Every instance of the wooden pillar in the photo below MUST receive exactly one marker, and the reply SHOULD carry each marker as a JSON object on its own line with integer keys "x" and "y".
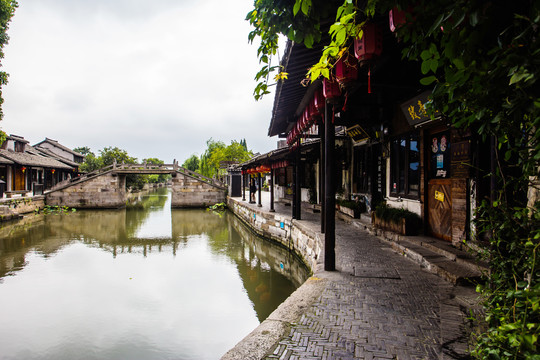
{"x": 259, "y": 178}
{"x": 322, "y": 170}
{"x": 330, "y": 196}
{"x": 272, "y": 191}
{"x": 294, "y": 168}
{"x": 297, "y": 185}
{"x": 243, "y": 186}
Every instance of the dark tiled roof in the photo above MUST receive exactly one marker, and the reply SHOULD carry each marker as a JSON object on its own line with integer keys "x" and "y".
{"x": 58, "y": 145}
{"x": 49, "y": 153}
{"x": 31, "y": 157}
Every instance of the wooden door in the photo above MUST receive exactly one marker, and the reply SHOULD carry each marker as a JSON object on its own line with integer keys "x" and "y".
{"x": 18, "y": 180}
{"x": 439, "y": 203}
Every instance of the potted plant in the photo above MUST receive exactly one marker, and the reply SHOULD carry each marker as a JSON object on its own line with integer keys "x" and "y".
{"x": 351, "y": 207}
{"x": 402, "y": 221}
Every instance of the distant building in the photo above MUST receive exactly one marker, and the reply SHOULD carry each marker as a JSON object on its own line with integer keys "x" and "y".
{"x": 54, "y": 147}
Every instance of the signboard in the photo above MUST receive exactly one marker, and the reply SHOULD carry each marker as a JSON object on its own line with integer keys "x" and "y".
{"x": 415, "y": 109}
{"x": 461, "y": 155}
{"x": 356, "y": 133}
{"x": 439, "y": 147}
{"x": 439, "y": 196}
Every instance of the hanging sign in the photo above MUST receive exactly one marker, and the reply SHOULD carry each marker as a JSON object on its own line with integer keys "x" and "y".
{"x": 439, "y": 196}
{"x": 415, "y": 109}
{"x": 356, "y": 133}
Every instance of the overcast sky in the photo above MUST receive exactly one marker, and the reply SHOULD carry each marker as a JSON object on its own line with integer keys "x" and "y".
{"x": 155, "y": 78}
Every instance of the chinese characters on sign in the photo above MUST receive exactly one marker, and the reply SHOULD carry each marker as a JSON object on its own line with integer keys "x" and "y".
{"x": 356, "y": 133}
{"x": 415, "y": 109}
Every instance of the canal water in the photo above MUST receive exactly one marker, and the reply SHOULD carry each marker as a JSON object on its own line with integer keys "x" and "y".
{"x": 146, "y": 282}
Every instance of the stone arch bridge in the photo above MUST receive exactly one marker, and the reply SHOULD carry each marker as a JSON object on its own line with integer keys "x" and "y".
{"x": 106, "y": 188}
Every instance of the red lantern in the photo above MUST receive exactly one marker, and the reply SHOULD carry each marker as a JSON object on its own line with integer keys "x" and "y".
{"x": 331, "y": 89}
{"x": 53, "y": 171}
{"x": 396, "y": 18}
{"x": 318, "y": 101}
{"x": 346, "y": 69}
{"x": 313, "y": 110}
{"x": 370, "y": 45}
{"x": 23, "y": 169}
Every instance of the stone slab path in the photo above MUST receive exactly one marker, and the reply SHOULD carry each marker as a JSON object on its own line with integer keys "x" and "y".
{"x": 377, "y": 305}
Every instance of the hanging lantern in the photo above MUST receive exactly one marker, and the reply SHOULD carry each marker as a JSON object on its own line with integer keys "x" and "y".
{"x": 53, "y": 170}
{"x": 346, "y": 69}
{"x": 314, "y": 112}
{"x": 396, "y": 18}
{"x": 369, "y": 45}
{"x": 23, "y": 169}
{"x": 331, "y": 89}
{"x": 318, "y": 101}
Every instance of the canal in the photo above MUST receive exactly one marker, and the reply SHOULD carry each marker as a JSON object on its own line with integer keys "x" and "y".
{"x": 145, "y": 282}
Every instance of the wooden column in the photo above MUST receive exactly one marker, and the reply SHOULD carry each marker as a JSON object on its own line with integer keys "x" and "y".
{"x": 294, "y": 168}
{"x": 259, "y": 178}
{"x": 243, "y": 187}
{"x": 297, "y": 185}
{"x": 330, "y": 196}
{"x": 272, "y": 191}
{"x": 322, "y": 170}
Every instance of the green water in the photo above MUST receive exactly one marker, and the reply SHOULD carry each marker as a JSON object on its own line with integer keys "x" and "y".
{"x": 146, "y": 282}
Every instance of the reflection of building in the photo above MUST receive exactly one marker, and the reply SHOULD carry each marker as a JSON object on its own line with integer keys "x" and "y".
{"x": 25, "y": 168}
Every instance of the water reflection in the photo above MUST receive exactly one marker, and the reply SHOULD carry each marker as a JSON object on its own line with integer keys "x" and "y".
{"x": 104, "y": 285}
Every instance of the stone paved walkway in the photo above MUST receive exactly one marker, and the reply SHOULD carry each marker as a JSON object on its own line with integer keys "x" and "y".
{"x": 377, "y": 305}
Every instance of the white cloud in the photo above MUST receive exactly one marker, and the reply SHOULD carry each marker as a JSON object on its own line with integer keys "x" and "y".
{"x": 155, "y": 78}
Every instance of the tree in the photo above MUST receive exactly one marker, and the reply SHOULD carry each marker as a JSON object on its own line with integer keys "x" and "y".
{"x": 157, "y": 178}
{"x": 217, "y": 152}
{"x": 192, "y": 163}
{"x": 7, "y": 10}
{"x": 483, "y": 61}
{"x": 83, "y": 150}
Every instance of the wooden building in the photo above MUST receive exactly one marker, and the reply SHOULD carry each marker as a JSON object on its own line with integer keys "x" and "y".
{"x": 25, "y": 169}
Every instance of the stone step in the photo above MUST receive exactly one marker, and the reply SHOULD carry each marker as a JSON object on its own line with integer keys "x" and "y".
{"x": 446, "y": 267}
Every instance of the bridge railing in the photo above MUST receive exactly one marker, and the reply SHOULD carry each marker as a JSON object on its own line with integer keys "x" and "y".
{"x": 214, "y": 182}
{"x": 82, "y": 177}
{"x": 141, "y": 167}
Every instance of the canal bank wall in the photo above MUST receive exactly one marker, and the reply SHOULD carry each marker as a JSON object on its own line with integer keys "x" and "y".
{"x": 305, "y": 243}
{"x": 301, "y": 240}
{"x": 14, "y": 208}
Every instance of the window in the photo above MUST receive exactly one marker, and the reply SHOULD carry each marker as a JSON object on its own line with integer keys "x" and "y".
{"x": 405, "y": 166}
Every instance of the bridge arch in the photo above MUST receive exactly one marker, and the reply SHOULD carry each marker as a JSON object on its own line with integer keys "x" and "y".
{"x": 106, "y": 187}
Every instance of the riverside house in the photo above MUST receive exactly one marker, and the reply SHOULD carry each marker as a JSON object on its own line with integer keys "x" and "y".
{"x": 25, "y": 169}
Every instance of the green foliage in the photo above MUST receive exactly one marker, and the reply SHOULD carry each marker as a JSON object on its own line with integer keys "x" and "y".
{"x": 7, "y": 10}
{"x": 91, "y": 163}
{"x": 56, "y": 210}
{"x": 83, "y": 150}
{"x": 192, "y": 163}
{"x": 359, "y": 206}
{"x": 217, "y": 152}
{"x": 218, "y": 207}
{"x": 387, "y": 213}
{"x": 299, "y": 21}
{"x": 154, "y": 179}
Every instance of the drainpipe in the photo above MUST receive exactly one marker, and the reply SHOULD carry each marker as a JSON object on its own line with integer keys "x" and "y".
{"x": 330, "y": 197}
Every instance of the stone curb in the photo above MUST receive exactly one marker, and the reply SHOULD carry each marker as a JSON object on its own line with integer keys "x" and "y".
{"x": 266, "y": 336}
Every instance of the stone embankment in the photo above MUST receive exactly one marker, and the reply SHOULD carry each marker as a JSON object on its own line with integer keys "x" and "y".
{"x": 14, "y": 208}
